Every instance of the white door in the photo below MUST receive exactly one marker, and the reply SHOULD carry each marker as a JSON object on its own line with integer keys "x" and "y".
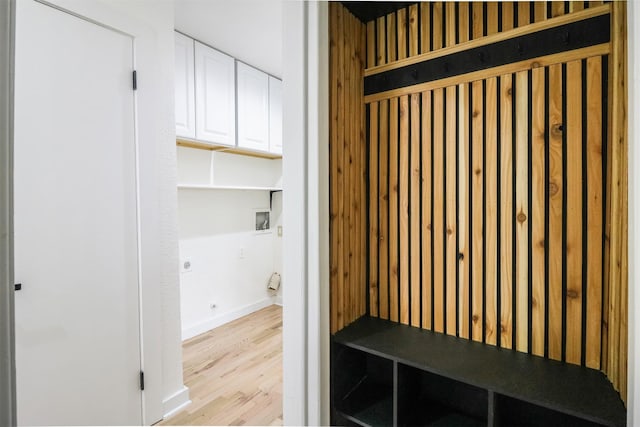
{"x": 184, "y": 87}
{"x": 275, "y": 115}
{"x": 253, "y": 108}
{"x": 76, "y": 250}
{"x": 215, "y": 96}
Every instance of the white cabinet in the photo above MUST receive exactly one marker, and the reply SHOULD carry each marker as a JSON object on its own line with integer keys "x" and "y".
{"x": 253, "y": 108}
{"x": 184, "y": 87}
{"x": 275, "y": 115}
{"x": 215, "y": 96}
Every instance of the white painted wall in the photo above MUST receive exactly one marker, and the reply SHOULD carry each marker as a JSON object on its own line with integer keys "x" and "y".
{"x": 230, "y": 262}
{"x": 249, "y": 30}
{"x": 633, "y": 405}
{"x": 152, "y": 21}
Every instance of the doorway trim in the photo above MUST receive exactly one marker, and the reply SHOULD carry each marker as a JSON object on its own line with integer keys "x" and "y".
{"x": 7, "y": 337}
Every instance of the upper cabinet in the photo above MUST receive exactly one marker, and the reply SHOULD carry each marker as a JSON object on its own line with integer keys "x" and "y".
{"x": 275, "y": 115}
{"x": 184, "y": 88}
{"x": 253, "y": 108}
{"x": 215, "y": 96}
{"x": 209, "y": 85}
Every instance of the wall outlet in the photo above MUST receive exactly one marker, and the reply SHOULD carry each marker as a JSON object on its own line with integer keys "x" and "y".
{"x": 279, "y": 231}
{"x": 185, "y": 266}
{"x": 241, "y": 253}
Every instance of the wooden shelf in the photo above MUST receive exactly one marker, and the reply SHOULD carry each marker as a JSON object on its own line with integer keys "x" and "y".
{"x": 225, "y": 187}
{"x": 552, "y": 386}
{"x": 192, "y": 143}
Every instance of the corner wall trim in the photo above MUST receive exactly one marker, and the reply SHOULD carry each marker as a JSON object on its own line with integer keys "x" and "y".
{"x": 176, "y": 402}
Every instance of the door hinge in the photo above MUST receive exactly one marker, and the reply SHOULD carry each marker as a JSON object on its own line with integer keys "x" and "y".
{"x": 135, "y": 80}
{"x": 141, "y": 380}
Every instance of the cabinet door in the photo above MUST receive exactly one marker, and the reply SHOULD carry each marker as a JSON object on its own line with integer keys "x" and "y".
{"x": 275, "y": 115}
{"x": 253, "y": 108}
{"x": 185, "y": 88}
{"x": 215, "y": 96}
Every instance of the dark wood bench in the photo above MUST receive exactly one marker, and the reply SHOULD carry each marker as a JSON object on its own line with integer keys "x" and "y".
{"x": 385, "y": 373}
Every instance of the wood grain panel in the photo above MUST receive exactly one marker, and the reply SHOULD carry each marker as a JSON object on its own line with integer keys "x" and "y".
{"x": 414, "y": 212}
{"x": 335, "y": 172}
{"x": 594, "y": 212}
{"x": 381, "y": 47}
{"x": 438, "y": 212}
{"x": 425, "y": 26}
{"x": 506, "y": 204}
{"x": 427, "y": 218}
{"x": 451, "y": 232}
{"x": 401, "y": 16}
{"x": 574, "y": 212}
{"x": 477, "y": 163}
{"x": 522, "y": 212}
{"x": 403, "y": 179}
{"x": 538, "y": 211}
{"x": 371, "y": 44}
{"x": 413, "y": 30}
{"x": 556, "y": 195}
{"x": 463, "y": 212}
{"x": 491, "y": 211}
{"x": 394, "y": 238}
{"x": 383, "y": 183}
{"x": 373, "y": 209}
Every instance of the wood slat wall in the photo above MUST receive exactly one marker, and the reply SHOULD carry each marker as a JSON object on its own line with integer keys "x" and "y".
{"x": 348, "y": 174}
{"x": 496, "y": 208}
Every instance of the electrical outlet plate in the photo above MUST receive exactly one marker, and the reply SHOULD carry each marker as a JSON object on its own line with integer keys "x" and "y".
{"x": 279, "y": 231}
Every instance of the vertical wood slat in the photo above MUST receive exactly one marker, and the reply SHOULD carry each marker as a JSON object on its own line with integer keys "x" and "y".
{"x": 438, "y": 211}
{"x": 491, "y": 206}
{"x": 463, "y": 212}
{"x": 617, "y": 223}
{"x": 594, "y": 212}
{"x": 374, "y": 236}
{"x": 393, "y": 211}
{"x": 425, "y": 27}
{"x": 574, "y": 212}
{"x": 556, "y": 194}
{"x": 401, "y": 26}
{"x": 427, "y": 219}
{"x": 383, "y": 183}
{"x": 403, "y": 180}
{"x": 347, "y": 224}
{"x": 477, "y": 243}
{"x": 415, "y": 213}
{"x": 436, "y": 31}
{"x": 463, "y": 187}
{"x": 413, "y": 30}
{"x": 371, "y": 44}
{"x": 524, "y": 13}
{"x": 522, "y": 212}
{"x": 341, "y": 171}
{"x": 538, "y": 211}
{"x": 450, "y": 228}
{"x": 334, "y": 224}
{"x": 506, "y": 220}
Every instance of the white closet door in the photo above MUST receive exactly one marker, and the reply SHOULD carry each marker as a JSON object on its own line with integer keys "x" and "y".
{"x": 185, "y": 102}
{"x": 253, "y": 108}
{"x": 76, "y": 245}
{"x": 215, "y": 96}
{"x": 275, "y": 115}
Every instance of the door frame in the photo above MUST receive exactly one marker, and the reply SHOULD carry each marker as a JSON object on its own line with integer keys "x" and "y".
{"x": 7, "y": 337}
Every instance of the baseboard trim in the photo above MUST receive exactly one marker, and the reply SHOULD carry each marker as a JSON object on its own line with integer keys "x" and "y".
{"x": 176, "y": 402}
{"x": 202, "y": 327}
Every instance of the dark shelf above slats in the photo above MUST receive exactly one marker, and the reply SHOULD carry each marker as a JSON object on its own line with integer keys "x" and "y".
{"x": 366, "y": 11}
{"x": 574, "y": 390}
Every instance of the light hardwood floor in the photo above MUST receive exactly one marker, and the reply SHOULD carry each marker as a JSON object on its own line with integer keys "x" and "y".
{"x": 234, "y": 373}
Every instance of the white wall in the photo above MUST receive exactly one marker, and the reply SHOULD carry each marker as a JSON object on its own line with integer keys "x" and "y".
{"x": 230, "y": 262}
{"x": 249, "y": 30}
{"x": 633, "y": 401}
